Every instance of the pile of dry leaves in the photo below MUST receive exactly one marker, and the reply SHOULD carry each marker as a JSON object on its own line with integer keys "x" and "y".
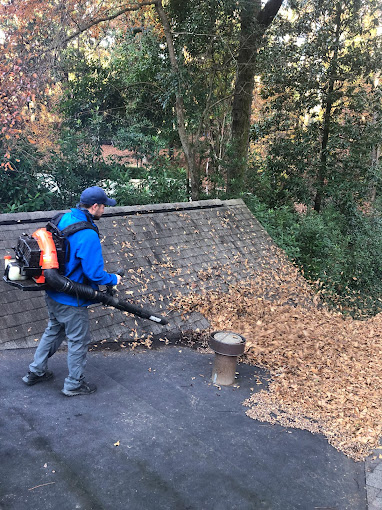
{"x": 326, "y": 369}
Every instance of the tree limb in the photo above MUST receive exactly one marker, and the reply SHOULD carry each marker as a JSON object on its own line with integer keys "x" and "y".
{"x": 110, "y": 17}
{"x": 268, "y": 12}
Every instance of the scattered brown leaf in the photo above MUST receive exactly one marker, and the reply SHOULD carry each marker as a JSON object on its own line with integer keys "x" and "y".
{"x": 326, "y": 369}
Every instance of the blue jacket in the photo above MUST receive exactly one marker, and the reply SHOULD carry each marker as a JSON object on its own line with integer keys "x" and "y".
{"x": 85, "y": 264}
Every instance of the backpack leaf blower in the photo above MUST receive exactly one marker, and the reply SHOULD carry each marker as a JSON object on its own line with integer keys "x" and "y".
{"x": 40, "y": 261}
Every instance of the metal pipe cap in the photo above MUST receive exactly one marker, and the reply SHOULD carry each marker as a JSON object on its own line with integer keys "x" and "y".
{"x": 227, "y": 343}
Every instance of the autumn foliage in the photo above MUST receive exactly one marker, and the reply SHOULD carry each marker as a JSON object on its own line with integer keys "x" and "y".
{"x": 33, "y": 36}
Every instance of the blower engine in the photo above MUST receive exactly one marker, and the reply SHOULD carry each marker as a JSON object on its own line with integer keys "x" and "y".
{"x": 39, "y": 263}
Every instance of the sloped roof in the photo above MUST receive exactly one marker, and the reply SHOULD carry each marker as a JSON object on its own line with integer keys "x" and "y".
{"x": 165, "y": 249}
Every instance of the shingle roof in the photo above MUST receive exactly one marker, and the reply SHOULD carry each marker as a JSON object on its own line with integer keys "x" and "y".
{"x": 165, "y": 249}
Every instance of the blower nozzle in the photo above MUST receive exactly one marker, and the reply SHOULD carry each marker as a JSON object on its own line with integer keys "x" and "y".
{"x": 62, "y": 284}
{"x": 37, "y": 256}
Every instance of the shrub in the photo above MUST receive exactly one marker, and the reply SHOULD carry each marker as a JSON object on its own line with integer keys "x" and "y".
{"x": 338, "y": 250}
{"x": 21, "y": 186}
{"x": 161, "y": 182}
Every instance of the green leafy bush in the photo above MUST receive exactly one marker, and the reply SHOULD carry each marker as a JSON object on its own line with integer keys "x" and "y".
{"x": 22, "y": 187}
{"x": 281, "y": 224}
{"x": 75, "y": 167}
{"x": 339, "y": 250}
{"x": 162, "y": 181}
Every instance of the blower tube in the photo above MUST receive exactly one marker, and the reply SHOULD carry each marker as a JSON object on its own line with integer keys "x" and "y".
{"x": 62, "y": 284}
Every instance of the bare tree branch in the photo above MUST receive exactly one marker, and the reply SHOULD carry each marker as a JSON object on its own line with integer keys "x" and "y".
{"x": 109, "y": 17}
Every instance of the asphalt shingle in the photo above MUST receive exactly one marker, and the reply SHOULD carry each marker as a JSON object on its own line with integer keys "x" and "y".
{"x": 164, "y": 249}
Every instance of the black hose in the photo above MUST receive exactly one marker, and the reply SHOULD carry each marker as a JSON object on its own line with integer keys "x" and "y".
{"x": 60, "y": 283}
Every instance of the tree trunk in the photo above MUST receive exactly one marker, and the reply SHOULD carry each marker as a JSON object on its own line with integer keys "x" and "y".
{"x": 187, "y": 146}
{"x": 322, "y": 171}
{"x": 376, "y": 150}
{"x": 254, "y": 21}
{"x": 324, "y": 148}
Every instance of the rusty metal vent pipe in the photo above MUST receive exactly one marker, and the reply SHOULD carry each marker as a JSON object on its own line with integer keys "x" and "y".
{"x": 227, "y": 346}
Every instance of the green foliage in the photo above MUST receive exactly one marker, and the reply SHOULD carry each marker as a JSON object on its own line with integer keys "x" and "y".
{"x": 317, "y": 133}
{"x": 121, "y": 98}
{"x": 22, "y": 187}
{"x": 127, "y": 96}
{"x": 322, "y": 110}
{"x": 162, "y": 182}
{"x": 93, "y": 101}
{"x": 138, "y": 139}
{"x": 339, "y": 251}
{"x": 148, "y": 86}
{"x": 167, "y": 182}
{"x": 281, "y": 224}
{"x": 75, "y": 167}
{"x": 50, "y": 181}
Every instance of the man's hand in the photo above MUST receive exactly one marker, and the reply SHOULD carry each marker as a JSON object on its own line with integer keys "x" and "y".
{"x": 119, "y": 278}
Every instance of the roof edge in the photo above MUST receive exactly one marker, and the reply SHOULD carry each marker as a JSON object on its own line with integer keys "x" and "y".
{"x": 41, "y": 216}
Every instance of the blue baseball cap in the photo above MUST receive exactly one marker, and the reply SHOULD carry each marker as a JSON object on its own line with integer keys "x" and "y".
{"x": 96, "y": 195}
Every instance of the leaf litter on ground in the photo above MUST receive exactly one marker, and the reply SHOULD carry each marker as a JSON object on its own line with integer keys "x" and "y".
{"x": 326, "y": 370}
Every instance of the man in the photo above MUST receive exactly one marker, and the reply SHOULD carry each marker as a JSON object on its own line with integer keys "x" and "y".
{"x": 68, "y": 315}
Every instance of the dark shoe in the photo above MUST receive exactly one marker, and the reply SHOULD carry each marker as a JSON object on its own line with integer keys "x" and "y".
{"x": 84, "y": 389}
{"x": 31, "y": 378}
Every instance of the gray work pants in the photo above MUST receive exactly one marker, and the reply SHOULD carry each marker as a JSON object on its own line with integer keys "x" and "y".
{"x": 64, "y": 321}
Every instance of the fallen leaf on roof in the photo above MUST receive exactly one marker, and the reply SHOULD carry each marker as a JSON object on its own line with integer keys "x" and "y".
{"x": 326, "y": 374}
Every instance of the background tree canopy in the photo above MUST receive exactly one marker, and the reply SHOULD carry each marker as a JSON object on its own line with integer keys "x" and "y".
{"x": 276, "y": 102}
